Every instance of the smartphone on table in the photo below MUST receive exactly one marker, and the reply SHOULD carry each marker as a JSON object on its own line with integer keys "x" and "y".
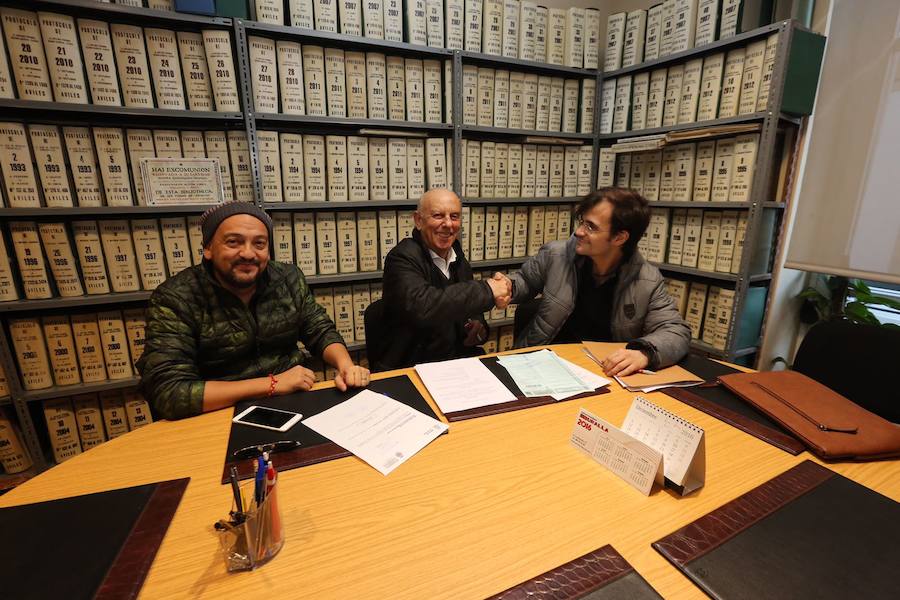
{"x": 268, "y": 418}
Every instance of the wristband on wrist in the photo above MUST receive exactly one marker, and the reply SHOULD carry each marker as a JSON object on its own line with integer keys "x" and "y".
{"x": 273, "y": 381}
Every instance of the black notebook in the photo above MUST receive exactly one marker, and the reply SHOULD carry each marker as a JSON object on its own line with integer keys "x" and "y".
{"x": 313, "y": 448}
{"x": 807, "y": 533}
{"x": 97, "y": 546}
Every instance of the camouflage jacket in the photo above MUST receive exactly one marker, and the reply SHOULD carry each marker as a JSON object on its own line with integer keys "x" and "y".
{"x": 198, "y": 331}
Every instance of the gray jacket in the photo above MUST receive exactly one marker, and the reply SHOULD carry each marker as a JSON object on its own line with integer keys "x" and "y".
{"x": 642, "y": 310}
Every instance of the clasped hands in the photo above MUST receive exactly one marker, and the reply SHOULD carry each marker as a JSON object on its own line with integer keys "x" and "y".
{"x": 501, "y": 287}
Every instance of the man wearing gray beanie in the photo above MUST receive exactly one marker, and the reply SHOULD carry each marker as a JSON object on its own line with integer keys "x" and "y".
{"x": 227, "y": 330}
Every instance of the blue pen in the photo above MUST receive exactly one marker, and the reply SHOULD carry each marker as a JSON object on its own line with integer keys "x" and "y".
{"x": 260, "y": 482}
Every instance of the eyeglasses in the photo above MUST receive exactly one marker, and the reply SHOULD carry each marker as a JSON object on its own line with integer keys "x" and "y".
{"x": 256, "y": 451}
{"x": 588, "y": 226}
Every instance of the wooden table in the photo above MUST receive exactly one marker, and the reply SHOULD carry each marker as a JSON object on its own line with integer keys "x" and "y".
{"x": 493, "y": 503}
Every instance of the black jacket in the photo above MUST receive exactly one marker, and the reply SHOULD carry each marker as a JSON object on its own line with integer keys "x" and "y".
{"x": 426, "y": 313}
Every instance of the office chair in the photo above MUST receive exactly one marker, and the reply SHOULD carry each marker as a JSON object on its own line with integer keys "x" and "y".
{"x": 376, "y": 333}
{"x": 860, "y": 362}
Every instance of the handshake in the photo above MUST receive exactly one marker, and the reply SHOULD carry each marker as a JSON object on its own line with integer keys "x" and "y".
{"x": 501, "y": 287}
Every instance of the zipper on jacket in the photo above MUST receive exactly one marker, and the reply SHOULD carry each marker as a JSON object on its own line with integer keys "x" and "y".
{"x": 820, "y": 426}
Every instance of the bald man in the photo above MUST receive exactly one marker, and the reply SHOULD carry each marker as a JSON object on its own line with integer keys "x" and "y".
{"x": 433, "y": 307}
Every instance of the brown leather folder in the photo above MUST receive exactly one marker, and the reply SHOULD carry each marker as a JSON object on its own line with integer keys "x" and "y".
{"x": 599, "y": 575}
{"x": 831, "y": 426}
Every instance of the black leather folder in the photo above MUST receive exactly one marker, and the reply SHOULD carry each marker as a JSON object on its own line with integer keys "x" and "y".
{"x": 313, "y": 448}
{"x": 807, "y": 533}
{"x": 521, "y": 401}
{"x": 716, "y": 400}
{"x": 599, "y": 575}
{"x": 92, "y": 547}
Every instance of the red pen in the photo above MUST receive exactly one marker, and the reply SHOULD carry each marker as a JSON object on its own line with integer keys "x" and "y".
{"x": 270, "y": 477}
{"x": 273, "y": 501}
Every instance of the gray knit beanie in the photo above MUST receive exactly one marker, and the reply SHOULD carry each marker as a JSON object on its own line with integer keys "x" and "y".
{"x": 213, "y": 217}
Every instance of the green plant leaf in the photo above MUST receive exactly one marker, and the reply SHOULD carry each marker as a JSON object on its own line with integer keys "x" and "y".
{"x": 860, "y": 286}
{"x": 858, "y": 313}
{"x": 878, "y": 300}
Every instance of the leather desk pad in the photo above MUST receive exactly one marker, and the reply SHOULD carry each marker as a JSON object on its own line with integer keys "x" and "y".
{"x": 521, "y": 400}
{"x": 92, "y": 547}
{"x": 314, "y": 448}
{"x": 599, "y": 575}
{"x": 721, "y": 403}
{"x": 807, "y": 533}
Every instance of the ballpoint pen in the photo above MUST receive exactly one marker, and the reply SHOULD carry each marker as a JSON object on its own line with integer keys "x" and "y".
{"x": 259, "y": 488}
{"x": 270, "y": 477}
{"x": 236, "y": 490}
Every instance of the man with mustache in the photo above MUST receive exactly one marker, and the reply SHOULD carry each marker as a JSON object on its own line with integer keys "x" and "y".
{"x": 227, "y": 330}
{"x": 433, "y": 308}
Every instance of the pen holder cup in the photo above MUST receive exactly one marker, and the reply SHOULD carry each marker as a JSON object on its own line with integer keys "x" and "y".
{"x": 259, "y": 537}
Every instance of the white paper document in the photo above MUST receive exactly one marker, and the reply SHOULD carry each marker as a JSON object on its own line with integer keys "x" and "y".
{"x": 380, "y": 430}
{"x": 590, "y": 378}
{"x": 542, "y": 373}
{"x": 462, "y": 384}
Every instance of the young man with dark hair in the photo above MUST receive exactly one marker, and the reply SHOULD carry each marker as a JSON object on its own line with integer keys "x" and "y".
{"x": 597, "y": 286}
{"x": 227, "y": 330}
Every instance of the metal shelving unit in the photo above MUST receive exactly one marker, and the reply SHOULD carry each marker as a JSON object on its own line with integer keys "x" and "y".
{"x": 495, "y": 131}
{"x": 769, "y": 120}
{"x": 64, "y": 113}
{"x": 547, "y": 200}
{"x": 324, "y": 38}
{"x": 99, "y": 211}
{"x": 121, "y": 12}
{"x": 18, "y": 306}
{"x": 736, "y": 41}
{"x": 352, "y": 205}
{"x": 667, "y": 268}
{"x": 528, "y": 66}
{"x": 738, "y": 120}
{"x": 513, "y": 261}
{"x": 249, "y": 120}
{"x": 723, "y": 205}
{"x": 352, "y": 124}
{"x": 58, "y": 391}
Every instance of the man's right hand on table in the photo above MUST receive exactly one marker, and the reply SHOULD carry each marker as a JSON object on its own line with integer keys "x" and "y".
{"x": 295, "y": 379}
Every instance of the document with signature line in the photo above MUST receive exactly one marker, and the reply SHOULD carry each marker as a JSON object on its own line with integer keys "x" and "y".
{"x": 380, "y": 430}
